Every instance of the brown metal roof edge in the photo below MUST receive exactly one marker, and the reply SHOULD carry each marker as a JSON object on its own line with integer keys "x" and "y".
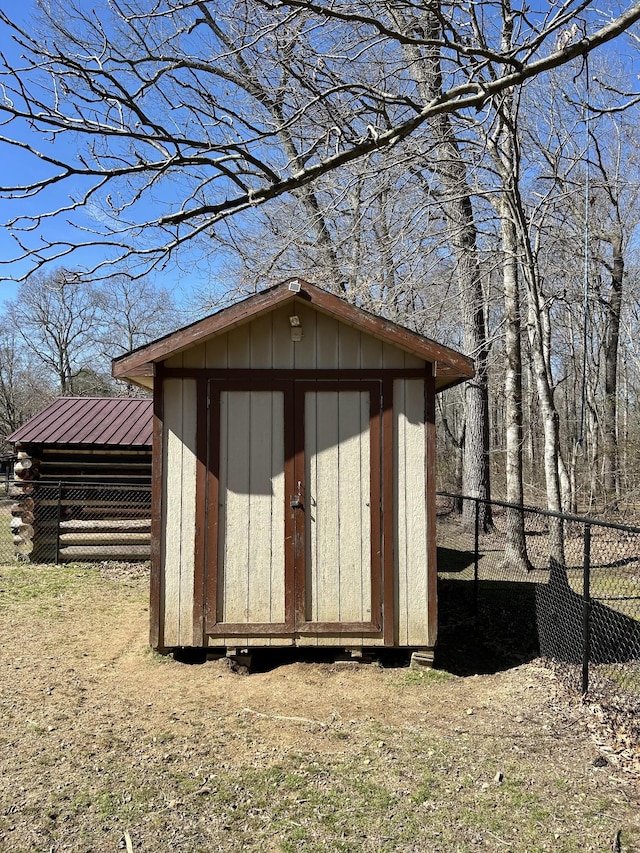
{"x": 139, "y": 361}
{"x": 64, "y": 421}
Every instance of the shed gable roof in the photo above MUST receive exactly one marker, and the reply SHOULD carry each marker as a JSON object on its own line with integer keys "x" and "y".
{"x": 451, "y": 366}
{"x": 103, "y": 421}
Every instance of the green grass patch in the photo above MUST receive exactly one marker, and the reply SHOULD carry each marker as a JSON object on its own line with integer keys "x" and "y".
{"x": 623, "y": 676}
{"x": 50, "y": 587}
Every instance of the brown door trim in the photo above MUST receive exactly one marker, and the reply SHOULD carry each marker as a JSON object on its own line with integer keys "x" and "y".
{"x": 206, "y": 606}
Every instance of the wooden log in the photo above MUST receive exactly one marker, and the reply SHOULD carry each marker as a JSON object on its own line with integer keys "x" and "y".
{"x": 105, "y": 552}
{"x": 107, "y": 525}
{"x": 24, "y": 470}
{"x": 22, "y": 546}
{"x": 26, "y": 503}
{"x": 27, "y": 468}
{"x": 106, "y": 506}
{"x": 18, "y": 528}
{"x": 17, "y": 490}
{"x": 67, "y": 525}
{"x": 26, "y": 516}
{"x": 22, "y": 454}
{"x": 102, "y": 538}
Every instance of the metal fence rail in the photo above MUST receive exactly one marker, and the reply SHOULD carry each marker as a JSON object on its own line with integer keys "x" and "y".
{"x": 53, "y": 522}
{"x": 575, "y": 599}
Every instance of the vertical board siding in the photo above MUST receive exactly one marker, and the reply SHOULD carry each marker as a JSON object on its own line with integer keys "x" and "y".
{"x": 266, "y": 343}
{"x": 174, "y": 361}
{"x": 349, "y": 346}
{"x": 179, "y": 509}
{"x": 277, "y": 508}
{"x": 370, "y": 352}
{"x": 411, "y": 517}
{"x": 363, "y": 468}
{"x": 327, "y": 341}
{"x": 251, "y": 521}
{"x": 216, "y": 352}
{"x": 392, "y": 356}
{"x": 194, "y": 357}
{"x": 233, "y": 542}
{"x": 337, "y": 450}
{"x": 239, "y": 347}
{"x": 353, "y": 500}
{"x": 304, "y": 351}
{"x": 323, "y": 529}
{"x": 282, "y": 347}
{"x": 261, "y": 341}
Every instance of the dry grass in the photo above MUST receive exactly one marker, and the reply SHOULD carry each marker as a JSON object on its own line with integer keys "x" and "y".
{"x": 106, "y": 743}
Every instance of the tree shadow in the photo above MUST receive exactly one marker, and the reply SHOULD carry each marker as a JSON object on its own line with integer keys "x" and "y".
{"x": 614, "y": 636}
{"x": 501, "y": 635}
{"x": 454, "y": 560}
{"x": 514, "y": 621}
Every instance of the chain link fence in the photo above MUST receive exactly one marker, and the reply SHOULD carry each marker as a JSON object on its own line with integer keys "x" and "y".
{"x": 55, "y": 522}
{"x": 531, "y": 583}
{"x": 535, "y": 582}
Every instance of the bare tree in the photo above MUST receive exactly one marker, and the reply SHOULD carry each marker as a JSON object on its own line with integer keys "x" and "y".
{"x": 135, "y": 312}
{"x": 184, "y": 117}
{"x": 503, "y": 144}
{"x": 24, "y": 386}
{"x": 187, "y": 113}
{"x": 58, "y": 318}
{"x": 590, "y": 164}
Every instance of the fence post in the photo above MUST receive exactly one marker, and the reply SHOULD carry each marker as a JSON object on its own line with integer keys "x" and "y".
{"x": 476, "y": 590}
{"x": 58, "y": 519}
{"x": 586, "y": 609}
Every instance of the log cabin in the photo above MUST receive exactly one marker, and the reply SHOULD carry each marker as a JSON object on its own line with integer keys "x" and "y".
{"x": 294, "y": 476}
{"x": 82, "y": 479}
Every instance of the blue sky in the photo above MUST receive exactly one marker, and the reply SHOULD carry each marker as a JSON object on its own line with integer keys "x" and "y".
{"x": 19, "y": 166}
{"x": 16, "y": 163}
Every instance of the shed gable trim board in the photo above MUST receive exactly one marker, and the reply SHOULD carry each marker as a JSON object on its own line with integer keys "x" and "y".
{"x": 450, "y": 367}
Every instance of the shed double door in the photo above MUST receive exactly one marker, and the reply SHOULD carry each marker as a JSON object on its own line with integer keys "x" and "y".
{"x": 294, "y": 503}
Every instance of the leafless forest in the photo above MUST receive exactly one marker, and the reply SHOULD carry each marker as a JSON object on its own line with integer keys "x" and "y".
{"x": 471, "y": 170}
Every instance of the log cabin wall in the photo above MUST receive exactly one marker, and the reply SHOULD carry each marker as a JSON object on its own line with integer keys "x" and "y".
{"x": 85, "y": 465}
{"x": 99, "y": 465}
{"x": 252, "y": 522}
{"x": 86, "y": 504}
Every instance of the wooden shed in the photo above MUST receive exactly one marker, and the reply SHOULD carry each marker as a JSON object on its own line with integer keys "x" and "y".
{"x": 294, "y": 475}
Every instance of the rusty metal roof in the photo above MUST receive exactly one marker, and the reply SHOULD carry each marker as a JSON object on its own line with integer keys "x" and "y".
{"x": 104, "y": 421}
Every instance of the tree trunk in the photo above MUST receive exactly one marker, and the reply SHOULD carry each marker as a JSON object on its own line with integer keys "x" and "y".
{"x": 611, "y": 475}
{"x": 516, "y": 544}
{"x": 538, "y": 327}
{"x": 505, "y": 149}
{"x": 451, "y": 169}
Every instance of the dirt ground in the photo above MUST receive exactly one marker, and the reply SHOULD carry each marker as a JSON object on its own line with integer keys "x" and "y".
{"x": 105, "y": 746}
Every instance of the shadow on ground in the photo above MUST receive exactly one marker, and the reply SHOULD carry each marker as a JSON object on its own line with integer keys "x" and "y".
{"x": 502, "y": 636}
{"x": 501, "y": 633}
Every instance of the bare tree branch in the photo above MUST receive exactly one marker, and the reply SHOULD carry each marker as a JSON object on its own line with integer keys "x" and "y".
{"x": 159, "y": 122}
